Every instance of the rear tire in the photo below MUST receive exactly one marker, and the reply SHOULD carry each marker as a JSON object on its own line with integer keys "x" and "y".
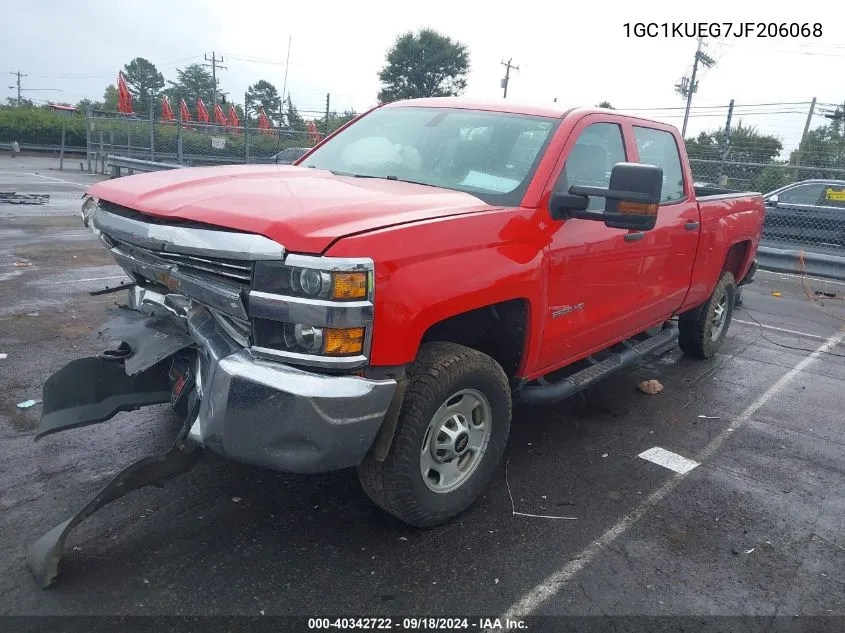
{"x": 450, "y": 437}
{"x": 703, "y": 335}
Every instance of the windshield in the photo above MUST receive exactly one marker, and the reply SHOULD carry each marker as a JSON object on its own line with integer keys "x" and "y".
{"x": 488, "y": 154}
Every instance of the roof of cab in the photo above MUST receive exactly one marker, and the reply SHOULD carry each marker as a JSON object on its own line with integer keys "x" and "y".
{"x": 490, "y": 105}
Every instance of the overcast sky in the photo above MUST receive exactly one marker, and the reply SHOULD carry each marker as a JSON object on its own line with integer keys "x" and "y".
{"x": 576, "y": 52}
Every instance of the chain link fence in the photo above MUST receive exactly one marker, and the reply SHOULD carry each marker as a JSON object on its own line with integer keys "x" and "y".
{"x": 805, "y": 205}
{"x": 191, "y": 144}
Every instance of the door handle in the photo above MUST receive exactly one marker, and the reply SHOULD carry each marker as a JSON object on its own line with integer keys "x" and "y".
{"x": 633, "y": 237}
{"x": 691, "y": 226}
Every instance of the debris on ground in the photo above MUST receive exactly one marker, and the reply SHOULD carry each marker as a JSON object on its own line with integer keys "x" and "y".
{"x": 776, "y": 293}
{"x": 26, "y": 404}
{"x": 748, "y": 551}
{"x": 12, "y": 197}
{"x": 33, "y": 314}
{"x": 650, "y": 387}
{"x": 709, "y": 417}
{"x": 3, "y": 356}
{"x": 22, "y": 264}
{"x": 236, "y": 499}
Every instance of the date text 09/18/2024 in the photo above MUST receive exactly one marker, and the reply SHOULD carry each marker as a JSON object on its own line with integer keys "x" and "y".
{"x": 723, "y": 29}
{"x": 417, "y": 624}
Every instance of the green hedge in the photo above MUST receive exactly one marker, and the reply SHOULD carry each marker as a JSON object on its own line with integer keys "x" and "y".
{"x": 41, "y": 127}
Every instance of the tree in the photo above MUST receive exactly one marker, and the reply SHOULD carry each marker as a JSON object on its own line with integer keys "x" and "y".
{"x": 605, "y": 104}
{"x": 822, "y": 148}
{"x": 145, "y": 83}
{"x": 193, "y": 82}
{"x": 263, "y": 94}
{"x": 110, "y": 98}
{"x": 25, "y": 103}
{"x": 293, "y": 120}
{"x": 425, "y": 64}
{"x": 339, "y": 120}
{"x": 745, "y": 158}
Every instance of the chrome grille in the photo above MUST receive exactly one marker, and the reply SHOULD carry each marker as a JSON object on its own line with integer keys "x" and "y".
{"x": 228, "y": 271}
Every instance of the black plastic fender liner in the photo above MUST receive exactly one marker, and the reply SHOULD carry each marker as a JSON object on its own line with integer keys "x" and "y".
{"x": 45, "y": 554}
{"x": 92, "y": 390}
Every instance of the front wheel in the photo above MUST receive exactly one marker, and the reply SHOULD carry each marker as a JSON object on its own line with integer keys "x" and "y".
{"x": 703, "y": 335}
{"x": 450, "y": 437}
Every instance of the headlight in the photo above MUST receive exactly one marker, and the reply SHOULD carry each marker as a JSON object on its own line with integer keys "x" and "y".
{"x": 300, "y": 338}
{"x": 311, "y": 283}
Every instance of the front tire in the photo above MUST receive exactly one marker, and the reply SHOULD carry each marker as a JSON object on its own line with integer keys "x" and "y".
{"x": 450, "y": 437}
{"x": 703, "y": 335}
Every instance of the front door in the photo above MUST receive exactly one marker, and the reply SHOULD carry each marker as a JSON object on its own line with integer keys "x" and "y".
{"x": 594, "y": 291}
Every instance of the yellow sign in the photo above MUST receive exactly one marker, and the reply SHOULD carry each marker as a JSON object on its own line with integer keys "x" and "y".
{"x": 832, "y": 194}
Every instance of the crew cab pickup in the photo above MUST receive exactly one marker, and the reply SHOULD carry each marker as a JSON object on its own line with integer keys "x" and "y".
{"x": 382, "y": 303}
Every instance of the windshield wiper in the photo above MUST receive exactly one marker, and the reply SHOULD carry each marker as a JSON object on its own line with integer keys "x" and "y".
{"x": 391, "y": 177}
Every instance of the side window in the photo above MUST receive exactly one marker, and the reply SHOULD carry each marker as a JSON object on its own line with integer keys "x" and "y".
{"x": 598, "y": 148}
{"x": 657, "y": 147}
{"x": 802, "y": 194}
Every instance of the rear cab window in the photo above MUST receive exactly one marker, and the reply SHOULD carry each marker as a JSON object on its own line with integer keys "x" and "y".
{"x": 658, "y": 147}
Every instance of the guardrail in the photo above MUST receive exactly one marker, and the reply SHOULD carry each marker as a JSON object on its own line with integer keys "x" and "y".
{"x": 35, "y": 147}
{"x": 116, "y": 163}
{"x": 788, "y": 260}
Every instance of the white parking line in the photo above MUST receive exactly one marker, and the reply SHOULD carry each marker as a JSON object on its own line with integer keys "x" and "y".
{"x": 534, "y": 598}
{"x": 818, "y": 279}
{"x": 29, "y": 173}
{"x": 668, "y": 459}
{"x": 778, "y": 329}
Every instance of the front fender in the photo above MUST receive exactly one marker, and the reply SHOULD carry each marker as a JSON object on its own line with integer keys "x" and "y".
{"x": 429, "y": 271}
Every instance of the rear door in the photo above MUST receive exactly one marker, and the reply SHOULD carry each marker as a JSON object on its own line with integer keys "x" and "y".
{"x": 668, "y": 251}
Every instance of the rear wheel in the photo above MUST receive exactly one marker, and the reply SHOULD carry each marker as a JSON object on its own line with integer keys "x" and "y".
{"x": 703, "y": 335}
{"x": 450, "y": 437}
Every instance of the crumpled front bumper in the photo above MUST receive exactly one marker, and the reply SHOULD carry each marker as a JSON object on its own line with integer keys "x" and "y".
{"x": 274, "y": 415}
{"x": 251, "y": 410}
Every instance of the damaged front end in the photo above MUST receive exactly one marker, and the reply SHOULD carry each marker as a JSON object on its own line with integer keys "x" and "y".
{"x": 186, "y": 336}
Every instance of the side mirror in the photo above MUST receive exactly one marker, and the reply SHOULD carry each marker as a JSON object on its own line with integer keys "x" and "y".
{"x": 632, "y": 198}
{"x": 772, "y": 201}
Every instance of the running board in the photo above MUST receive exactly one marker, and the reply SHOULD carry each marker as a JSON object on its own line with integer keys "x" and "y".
{"x": 569, "y": 386}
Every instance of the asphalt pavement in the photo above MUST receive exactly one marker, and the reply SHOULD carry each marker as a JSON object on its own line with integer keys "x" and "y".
{"x": 575, "y": 522}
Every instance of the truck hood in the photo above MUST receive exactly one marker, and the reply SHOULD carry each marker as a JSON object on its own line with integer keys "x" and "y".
{"x": 303, "y": 209}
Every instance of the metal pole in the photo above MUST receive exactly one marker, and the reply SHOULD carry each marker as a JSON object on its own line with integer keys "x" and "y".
{"x": 88, "y": 115}
{"x": 690, "y": 91}
{"x": 129, "y": 141}
{"x": 328, "y": 96}
{"x": 285, "y": 84}
{"x": 246, "y": 130}
{"x": 111, "y": 142}
{"x": 152, "y": 136}
{"x": 62, "y": 151}
{"x": 726, "y": 143}
{"x": 804, "y": 134}
{"x": 179, "y": 150}
{"x": 102, "y": 154}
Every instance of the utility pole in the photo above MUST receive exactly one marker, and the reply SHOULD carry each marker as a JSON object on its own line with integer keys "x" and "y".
{"x": 19, "y": 75}
{"x": 804, "y": 134}
{"x": 726, "y": 144}
{"x": 284, "y": 85}
{"x": 508, "y": 66}
{"x": 215, "y": 64}
{"x": 687, "y": 87}
{"x": 328, "y": 96}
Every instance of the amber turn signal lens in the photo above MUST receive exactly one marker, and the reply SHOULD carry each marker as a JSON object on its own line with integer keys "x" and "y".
{"x": 637, "y": 208}
{"x": 350, "y": 286}
{"x": 346, "y": 341}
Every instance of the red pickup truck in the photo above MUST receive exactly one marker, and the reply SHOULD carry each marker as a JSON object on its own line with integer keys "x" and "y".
{"x": 381, "y": 303}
